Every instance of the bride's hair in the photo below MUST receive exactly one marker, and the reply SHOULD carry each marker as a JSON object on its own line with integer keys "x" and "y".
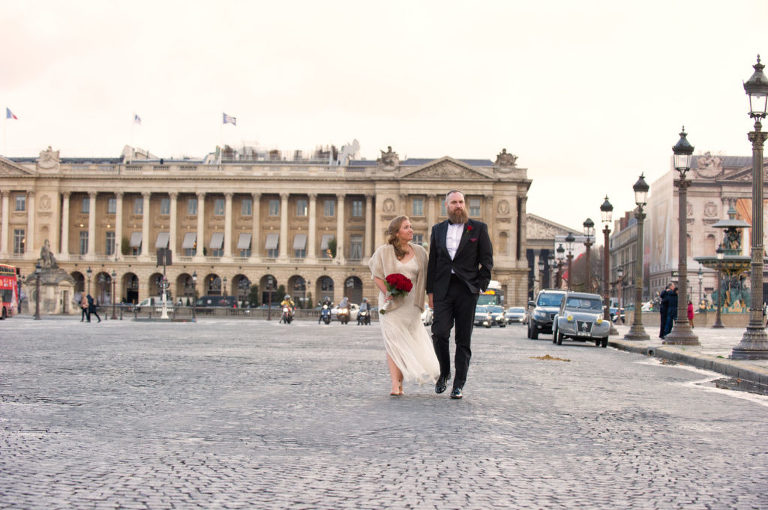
{"x": 392, "y": 230}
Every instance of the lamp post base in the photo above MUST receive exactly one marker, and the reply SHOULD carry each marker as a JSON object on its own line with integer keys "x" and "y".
{"x": 637, "y": 332}
{"x": 681, "y": 334}
{"x": 613, "y": 331}
{"x": 753, "y": 345}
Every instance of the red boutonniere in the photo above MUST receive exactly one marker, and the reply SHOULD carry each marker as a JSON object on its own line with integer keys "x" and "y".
{"x": 469, "y": 228}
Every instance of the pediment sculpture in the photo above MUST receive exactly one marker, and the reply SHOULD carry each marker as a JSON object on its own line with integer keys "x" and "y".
{"x": 709, "y": 165}
{"x": 49, "y": 158}
{"x": 388, "y": 158}
{"x": 505, "y": 158}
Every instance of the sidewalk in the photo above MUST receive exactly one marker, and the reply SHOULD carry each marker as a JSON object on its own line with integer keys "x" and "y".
{"x": 713, "y": 353}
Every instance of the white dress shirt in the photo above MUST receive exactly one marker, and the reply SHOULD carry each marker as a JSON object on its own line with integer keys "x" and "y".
{"x": 453, "y": 237}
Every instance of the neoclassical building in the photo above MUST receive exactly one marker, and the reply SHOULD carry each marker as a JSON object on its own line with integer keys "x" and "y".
{"x": 237, "y": 219}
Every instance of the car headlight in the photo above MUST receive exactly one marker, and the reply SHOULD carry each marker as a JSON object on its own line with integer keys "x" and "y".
{"x": 569, "y": 318}
{"x": 599, "y": 321}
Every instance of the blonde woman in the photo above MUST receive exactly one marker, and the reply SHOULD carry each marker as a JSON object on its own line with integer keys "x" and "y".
{"x": 410, "y": 354}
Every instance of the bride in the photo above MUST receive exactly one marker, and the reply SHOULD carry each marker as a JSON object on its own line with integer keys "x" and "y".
{"x": 410, "y": 354}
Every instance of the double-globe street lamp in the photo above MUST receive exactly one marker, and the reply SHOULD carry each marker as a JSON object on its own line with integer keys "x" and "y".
{"x": 569, "y": 240}
{"x": 589, "y": 233}
{"x": 114, "y": 296}
{"x": 637, "y": 331}
{"x": 38, "y": 272}
{"x": 754, "y": 343}
{"x": 606, "y": 215}
{"x": 560, "y": 256}
{"x": 682, "y": 333}
{"x": 720, "y": 255}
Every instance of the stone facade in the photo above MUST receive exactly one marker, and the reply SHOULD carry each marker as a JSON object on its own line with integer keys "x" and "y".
{"x": 237, "y": 221}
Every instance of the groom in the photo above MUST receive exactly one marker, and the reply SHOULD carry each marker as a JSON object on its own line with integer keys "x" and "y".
{"x": 460, "y": 262}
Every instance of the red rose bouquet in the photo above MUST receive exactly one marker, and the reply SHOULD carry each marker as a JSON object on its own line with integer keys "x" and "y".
{"x": 398, "y": 285}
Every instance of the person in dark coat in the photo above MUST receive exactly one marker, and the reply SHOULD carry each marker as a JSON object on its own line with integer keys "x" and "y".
{"x": 92, "y": 308}
{"x": 663, "y": 307}
{"x": 671, "y": 299}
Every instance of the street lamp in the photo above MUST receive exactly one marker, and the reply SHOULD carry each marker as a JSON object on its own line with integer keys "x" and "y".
{"x": 194, "y": 293}
{"x": 718, "y": 323}
{"x": 552, "y": 264}
{"x": 589, "y": 232}
{"x": 681, "y": 333}
{"x": 620, "y": 282}
{"x": 540, "y": 267}
{"x": 569, "y": 240}
{"x": 637, "y": 331}
{"x": 38, "y": 270}
{"x": 114, "y": 294}
{"x": 270, "y": 284}
{"x": 754, "y": 343}
{"x": 606, "y": 215}
{"x": 701, "y": 281}
{"x": 89, "y": 272}
{"x": 560, "y": 255}
{"x": 224, "y": 283}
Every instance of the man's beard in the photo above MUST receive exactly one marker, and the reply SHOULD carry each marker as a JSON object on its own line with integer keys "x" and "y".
{"x": 458, "y": 216}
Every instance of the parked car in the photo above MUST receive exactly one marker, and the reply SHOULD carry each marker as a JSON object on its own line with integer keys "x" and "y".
{"x": 426, "y": 316}
{"x": 483, "y": 317}
{"x": 581, "y": 318}
{"x": 211, "y": 301}
{"x": 154, "y": 303}
{"x": 543, "y": 310}
{"x": 515, "y": 314}
{"x": 497, "y": 312}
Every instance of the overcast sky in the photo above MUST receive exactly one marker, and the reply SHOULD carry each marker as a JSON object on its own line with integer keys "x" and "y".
{"x": 587, "y": 94}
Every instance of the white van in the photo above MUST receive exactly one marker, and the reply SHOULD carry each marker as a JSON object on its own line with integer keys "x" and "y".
{"x": 154, "y": 303}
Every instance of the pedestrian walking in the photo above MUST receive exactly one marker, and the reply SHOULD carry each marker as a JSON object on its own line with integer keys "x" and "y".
{"x": 84, "y": 312}
{"x": 663, "y": 305}
{"x": 690, "y": 313}
{"x": 92, "y": 307}
{"x": 671, "y": 299}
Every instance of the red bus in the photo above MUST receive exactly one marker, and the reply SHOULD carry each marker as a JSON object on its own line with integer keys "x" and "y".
{"x": 9, "y": 291}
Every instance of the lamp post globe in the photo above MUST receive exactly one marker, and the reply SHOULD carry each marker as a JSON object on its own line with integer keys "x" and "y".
{"x": 606, "y": 216}
{"x": 569, "y": 240}
{"x": 560, "y": 256}
{"x": 754, "y": 343}
{"x": 114, "y": 295}
{"x": 682, "y": 333}
{"x": 637, "y": 330}
{"x": 589, "y": 232}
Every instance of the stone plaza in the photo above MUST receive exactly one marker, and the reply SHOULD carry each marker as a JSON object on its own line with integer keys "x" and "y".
{"x": 253, "y": 414}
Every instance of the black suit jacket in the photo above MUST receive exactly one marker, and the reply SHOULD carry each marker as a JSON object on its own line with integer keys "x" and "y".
{"x": 472, "y": 263}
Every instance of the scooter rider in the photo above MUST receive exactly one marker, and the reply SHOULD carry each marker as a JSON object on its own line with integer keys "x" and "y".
{"x": 364, "y": 318}
{"x": 325, "y": 302}
{"x": 288, "y": 302}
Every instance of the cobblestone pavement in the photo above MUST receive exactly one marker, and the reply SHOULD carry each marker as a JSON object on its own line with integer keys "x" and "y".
{"x": 251, "y": 414}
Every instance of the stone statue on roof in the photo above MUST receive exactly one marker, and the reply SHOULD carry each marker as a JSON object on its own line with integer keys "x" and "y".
{"x": 709, "y": 165}
{"x": 389, "y": 158}
{"x": 505, "y": 159}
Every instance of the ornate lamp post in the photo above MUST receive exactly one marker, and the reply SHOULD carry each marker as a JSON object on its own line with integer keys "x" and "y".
{"x": 754, "y": 343}
{"x": 681, "y": 333}
{"x": 270, "y": 285}
{"x": 606, "y": 215}
{"x": 224, "y": 286}
{"x": 38, "y": 270}
{"x": 701, "y": 281}
{"x": 560, "y": 256}
{"x": 620, "y": 283}
{"x": 569, "y": 240}
{"x": 194, "y": 293}
{"x": 718, "y": 323}
{"x": 552, "y": 266}
{"x": 637, "y": 331}
{"x": 589, "y": 232}
{"x": 114, "y": 296}
{"x": 89, "y": 272}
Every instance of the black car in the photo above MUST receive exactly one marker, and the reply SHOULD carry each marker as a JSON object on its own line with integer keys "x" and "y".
{"x": 213, "y": 301}
{"x": 544, "y": 309}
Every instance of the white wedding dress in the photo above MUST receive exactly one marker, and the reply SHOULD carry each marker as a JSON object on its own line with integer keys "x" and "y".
{"x": 405, "y": 337}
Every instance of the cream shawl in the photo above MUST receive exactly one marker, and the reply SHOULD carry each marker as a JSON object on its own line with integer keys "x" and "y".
{"x": 383, "y": 263}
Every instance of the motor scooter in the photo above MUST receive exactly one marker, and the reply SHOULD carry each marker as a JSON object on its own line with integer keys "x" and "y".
{"x": 364, "y": 318}
{"x": 325, "y": 314}
{"x": 343, "y": 315}
{"x": 287, "y": 316}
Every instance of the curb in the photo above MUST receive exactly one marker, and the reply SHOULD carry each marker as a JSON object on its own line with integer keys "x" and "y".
{"x": 729, "y": 367}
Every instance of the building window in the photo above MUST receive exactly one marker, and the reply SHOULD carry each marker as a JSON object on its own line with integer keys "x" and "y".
{"x": 418, "y": 239}
{"x": 83, "y": 242}
{"x": 218, "y": 207}
{"x": 357, "y": 208}
{"x": 301, "y": 207}
{"x": 355, "y": 247}
{"x": 112, "y": 206}
{"x": 300, "y": 253}
{"x": 474, "y": 207}
{"x": 274, "y": 207}
{"x": 217, "y": 252}
{"x": 329, "y": 208}
{"x": 272, "y": 253}
{"x": 110, "y": 247}
{"x": 86, "y": 206}
{"x": 21, "y": 203}
{"x": 192, "y": 207}
{"x": 18, "y": 241}
{"x": 165, "y": 206}
{"x": 443, "y": 211}
{"x": 245, "y": 252}
{"x": 418, "y": 207}
{"x": 246, "y": 207}
{"x": 138, "y": 206}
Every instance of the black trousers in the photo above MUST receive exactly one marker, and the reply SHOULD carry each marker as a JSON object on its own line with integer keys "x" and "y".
{"x": 458, "y": 307}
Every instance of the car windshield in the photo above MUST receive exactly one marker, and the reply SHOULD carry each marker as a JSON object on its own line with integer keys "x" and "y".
{"x": 516, "y": 310}
{"x": 585, "y": 304}
{"x": 495, "y": 309}
{"x": 550, "y": 300}
{"x": 481, "y": 309}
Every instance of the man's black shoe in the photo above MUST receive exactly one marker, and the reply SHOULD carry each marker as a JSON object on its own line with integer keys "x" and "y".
{"x": 442, "y": 384}
{"x": 456, "y": 393}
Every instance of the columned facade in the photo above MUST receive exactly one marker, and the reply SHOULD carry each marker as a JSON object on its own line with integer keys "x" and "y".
{"x": 247, "y": 220}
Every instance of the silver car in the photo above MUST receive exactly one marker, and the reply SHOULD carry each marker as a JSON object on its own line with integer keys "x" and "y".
{"x": 581, "y": 318}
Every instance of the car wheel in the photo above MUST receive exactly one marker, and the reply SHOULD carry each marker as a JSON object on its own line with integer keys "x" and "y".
{"x": 597, "y": 342}
{"x": 528, "y": 331}
{"x": 604, "y": 342}
{"x": 534, "y": 332}
{"x": 559, "y": 337}
{"x": 554, "y": 335}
